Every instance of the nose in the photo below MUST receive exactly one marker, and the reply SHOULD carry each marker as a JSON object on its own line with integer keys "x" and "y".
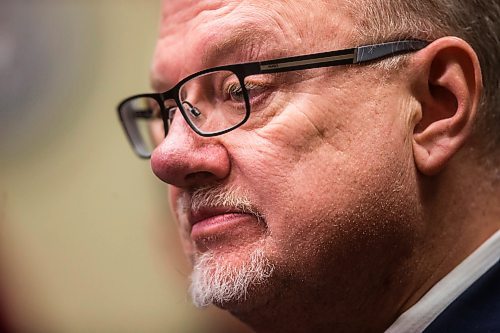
{"x": 185, "y": 159}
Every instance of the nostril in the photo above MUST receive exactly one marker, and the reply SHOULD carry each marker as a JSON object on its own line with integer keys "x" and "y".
{"x": 200, "y": 177}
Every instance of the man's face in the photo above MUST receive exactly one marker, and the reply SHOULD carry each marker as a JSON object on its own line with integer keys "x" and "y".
{"x": 320, "y": 191}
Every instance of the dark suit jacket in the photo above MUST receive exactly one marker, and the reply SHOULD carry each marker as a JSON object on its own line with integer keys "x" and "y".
{"x": 477, "y": 310}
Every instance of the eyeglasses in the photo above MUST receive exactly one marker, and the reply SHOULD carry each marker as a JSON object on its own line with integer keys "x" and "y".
{"x": 217, "y": 100}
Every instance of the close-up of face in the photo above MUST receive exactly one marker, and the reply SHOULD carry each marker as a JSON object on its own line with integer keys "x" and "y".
{"x": 268, "y": 166}
{"x": 253, "y": 210}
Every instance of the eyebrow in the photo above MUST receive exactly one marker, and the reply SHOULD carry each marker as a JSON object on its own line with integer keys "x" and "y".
{"x": 245, "y": 43}
{"x": 248, "y": 42}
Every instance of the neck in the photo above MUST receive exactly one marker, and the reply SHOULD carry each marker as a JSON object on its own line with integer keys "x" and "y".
{"x": 312, "y": 315}
{"x": 462, "y": 210}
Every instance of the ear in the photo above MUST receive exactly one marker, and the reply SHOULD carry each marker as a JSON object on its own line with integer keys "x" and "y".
{"x": 448, "y": 87}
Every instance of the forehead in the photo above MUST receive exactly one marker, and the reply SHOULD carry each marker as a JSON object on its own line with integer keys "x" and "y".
{"x": 177, "y": 13}
{"x": 194, "y": 33}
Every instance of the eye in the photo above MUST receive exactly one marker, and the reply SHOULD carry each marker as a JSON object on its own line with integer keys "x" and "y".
{"x": 235, "y": 92}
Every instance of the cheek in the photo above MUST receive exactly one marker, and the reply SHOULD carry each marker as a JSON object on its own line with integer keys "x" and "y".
{"x": 340, "y": 213}
{"x": 313, "y": 194}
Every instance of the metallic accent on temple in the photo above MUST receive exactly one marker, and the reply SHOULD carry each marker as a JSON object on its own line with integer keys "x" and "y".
{"x": 378, "y": 51}
{"x": 307, "y": 62}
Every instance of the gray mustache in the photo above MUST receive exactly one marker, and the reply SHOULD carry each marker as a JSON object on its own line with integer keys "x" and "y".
{"x": 217, "y": 196}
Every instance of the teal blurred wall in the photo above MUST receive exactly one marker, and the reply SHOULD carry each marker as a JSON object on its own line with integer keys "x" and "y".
{"x": 86, "y": 242}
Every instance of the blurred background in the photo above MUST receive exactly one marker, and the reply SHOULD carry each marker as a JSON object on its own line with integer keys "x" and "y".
{"x": 86, "y": 241}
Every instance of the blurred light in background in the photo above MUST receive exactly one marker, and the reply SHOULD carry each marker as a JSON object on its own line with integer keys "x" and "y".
{"x": 86, "y": 244}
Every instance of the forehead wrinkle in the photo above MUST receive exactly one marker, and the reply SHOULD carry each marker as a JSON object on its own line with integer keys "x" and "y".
{"x": 243, "y": 28}
{"x": 248, "y": 42}
{"x": 187, "y": 11}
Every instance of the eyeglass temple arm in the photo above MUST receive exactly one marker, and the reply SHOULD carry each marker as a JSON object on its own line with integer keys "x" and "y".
{"x": 348, "y": 56}
{"x": 377, "y": 51}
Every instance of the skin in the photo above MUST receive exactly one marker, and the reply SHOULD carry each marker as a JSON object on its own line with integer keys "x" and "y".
{"x": 345, "y": 173}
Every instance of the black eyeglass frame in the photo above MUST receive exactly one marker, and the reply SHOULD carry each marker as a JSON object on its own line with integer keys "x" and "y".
{"x": 356, "y": 55}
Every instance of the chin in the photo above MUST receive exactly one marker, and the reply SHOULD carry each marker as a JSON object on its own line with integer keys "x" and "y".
{"x": 230, "y": 280}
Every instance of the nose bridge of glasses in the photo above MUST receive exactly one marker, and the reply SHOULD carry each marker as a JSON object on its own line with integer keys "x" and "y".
{"x": 191, "y": 109}
{"x": 177, "y": 124}
{"x": 172, "y": 114}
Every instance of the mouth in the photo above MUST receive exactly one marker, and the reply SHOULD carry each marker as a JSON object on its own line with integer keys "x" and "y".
{"x": 205, "y": 217}
{"x": 206, "y": 213}
{"x": 210, "y": 223}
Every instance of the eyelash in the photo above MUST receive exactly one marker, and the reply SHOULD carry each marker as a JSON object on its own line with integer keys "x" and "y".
{"x": 236, "y": 88}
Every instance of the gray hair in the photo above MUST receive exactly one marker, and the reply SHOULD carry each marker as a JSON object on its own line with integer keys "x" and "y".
{"x": 475, "y": 21}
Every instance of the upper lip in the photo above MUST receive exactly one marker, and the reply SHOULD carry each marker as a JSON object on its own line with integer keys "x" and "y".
{"x": 208, "y": 212}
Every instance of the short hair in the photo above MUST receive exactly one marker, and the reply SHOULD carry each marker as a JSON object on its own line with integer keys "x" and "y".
{"x": 475, "y": 21}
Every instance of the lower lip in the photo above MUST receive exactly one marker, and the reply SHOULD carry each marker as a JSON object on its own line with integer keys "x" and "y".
{"x": 218, "y": 224}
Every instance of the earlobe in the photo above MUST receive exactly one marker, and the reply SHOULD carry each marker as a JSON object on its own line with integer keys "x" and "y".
{"x": 448, "y": 88}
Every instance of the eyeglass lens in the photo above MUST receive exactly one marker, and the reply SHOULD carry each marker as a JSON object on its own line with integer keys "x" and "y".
{"x": 144, "y": 124}
{"x": 213, "y": 102}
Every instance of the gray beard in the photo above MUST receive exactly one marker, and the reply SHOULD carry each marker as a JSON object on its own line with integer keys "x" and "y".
{"x": 217, "y": 280}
